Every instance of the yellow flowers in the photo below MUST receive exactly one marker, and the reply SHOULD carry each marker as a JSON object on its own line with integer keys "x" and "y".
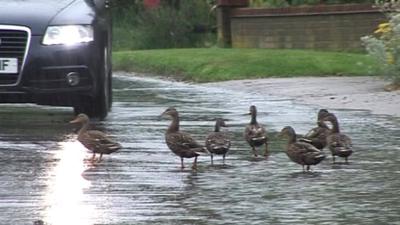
{"x": 390, "y": 58}
{"x": 384, "y": 44}
{"x": 383, "y": 28}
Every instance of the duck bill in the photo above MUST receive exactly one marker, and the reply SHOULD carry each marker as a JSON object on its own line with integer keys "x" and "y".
{"x": 164, "y": 114}
{"x": 75, "y": 121}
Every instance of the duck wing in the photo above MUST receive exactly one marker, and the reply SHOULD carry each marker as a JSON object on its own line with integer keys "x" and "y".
{"x": 183, "y": 141}
{"x": 255, "y": 132}
{"x": 313, "y": 133}
{"x": 98, "y": 141}
{"x": 306, "y": 153}
{"x": 218, "y": 141}
{"x": 303, "y": 148}
{"x": 340, "y": 144}
{"x": 339, "y": 140}
{"x": 317, "y": 137}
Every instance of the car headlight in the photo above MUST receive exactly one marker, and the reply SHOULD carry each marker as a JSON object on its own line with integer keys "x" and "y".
{"x": 68, "y": 34}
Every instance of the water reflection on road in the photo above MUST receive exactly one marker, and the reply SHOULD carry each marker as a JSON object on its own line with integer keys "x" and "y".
{"x": 65, "y": 195}
{"x": 45, "y": 175}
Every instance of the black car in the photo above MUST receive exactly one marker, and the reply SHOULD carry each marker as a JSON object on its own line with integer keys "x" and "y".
{"x": 56, "y": 52}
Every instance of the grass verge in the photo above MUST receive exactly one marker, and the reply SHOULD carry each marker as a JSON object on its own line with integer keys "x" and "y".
{"x": 216, "y": 64}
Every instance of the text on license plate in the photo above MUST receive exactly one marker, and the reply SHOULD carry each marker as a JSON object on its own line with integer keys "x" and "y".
{"x": 8, "y": 65}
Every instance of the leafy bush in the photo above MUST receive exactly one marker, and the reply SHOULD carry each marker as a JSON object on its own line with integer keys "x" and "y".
{"x": 188, "y": 24}
{"x": 384, "y": 44}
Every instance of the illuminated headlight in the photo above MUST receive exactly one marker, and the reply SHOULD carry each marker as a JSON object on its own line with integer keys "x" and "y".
{"x": 68, "y": 35}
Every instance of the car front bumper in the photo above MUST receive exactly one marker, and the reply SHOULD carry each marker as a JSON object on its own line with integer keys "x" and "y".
{"x": 43, "y": 79}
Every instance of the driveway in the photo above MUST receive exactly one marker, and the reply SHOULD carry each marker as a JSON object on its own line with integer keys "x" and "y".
{"x": 45, "y": 175}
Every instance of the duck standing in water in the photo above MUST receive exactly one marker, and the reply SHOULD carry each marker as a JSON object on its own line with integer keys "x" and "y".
{"x": 302, "y": 153}
{"x": 317, "y": 136}
{"x": 338, "y": 143}
{"x": 218, "y": 142}
{"x": 255, "y": 134}
{"x": 181, "y": 143}
{"x": 94, "y": 140}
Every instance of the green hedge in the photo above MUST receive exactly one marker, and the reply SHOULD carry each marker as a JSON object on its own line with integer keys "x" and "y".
{"x": 192, "y": 24}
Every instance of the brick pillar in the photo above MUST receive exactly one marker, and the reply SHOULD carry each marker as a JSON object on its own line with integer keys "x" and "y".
{"x": 224, "y": 8}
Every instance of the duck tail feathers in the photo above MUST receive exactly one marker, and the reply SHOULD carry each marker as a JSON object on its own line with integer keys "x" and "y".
{"x": 344, "y": 149}
{"x": 201, "y": 150}
{"x": 320, "y": 156}
{"x": 114, "y": 147}
{"x": 305, "y": 140}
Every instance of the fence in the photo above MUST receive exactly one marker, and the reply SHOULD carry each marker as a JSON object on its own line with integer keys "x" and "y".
{"x": 333, "y": 27}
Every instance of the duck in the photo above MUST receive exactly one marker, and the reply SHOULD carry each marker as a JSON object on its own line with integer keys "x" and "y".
{"x": 255, "y": 134}
{"x": 317, "y": 135}
{"x": 338, "y": 143}
{"x": 94, "y": 140}
{"x": 218, "y": 142}
{"x": 299, "y": 152}
{"x": 181, "y": 143}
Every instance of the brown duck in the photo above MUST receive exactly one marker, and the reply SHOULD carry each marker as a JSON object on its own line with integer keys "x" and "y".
{"x": 255, "y": 134}
{"x": 338, "y": 143}
{"x": 218, "y": 142}
{"x": 317, "y": 136}
{"x": 302, "y": 153}
{"x": 181, "y": 143}
{"x": 94, "y": 140}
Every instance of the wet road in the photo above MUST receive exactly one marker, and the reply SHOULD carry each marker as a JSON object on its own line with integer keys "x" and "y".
{"x": 45, "y": 175}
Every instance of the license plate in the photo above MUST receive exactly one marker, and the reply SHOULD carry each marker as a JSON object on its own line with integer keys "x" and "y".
{"x": 8, "y": 65}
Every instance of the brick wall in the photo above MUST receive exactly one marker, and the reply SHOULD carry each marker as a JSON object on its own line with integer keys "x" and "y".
{"x": 334, "y": 27}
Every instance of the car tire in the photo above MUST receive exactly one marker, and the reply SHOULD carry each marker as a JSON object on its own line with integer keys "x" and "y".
{"x": 99, "y": 105}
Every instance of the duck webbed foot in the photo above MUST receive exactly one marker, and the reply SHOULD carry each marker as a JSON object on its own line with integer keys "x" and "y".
{"x": 182, "y": 166}
{"x": 100, "y": 158}
{"x": 194, "y": 166}
{"x": 93, "y": 157}
{"x": 254, "y": 152}
{"x": 266, "y": 152}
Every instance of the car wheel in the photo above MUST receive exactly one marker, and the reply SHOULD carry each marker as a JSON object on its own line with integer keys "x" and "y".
{"x": 99, "y": 105}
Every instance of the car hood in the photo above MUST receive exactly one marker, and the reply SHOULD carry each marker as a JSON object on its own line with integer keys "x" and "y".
{"x": 35, "y": 14}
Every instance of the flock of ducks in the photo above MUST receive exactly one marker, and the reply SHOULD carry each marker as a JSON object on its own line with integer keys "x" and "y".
{"x": 306, "y": 151}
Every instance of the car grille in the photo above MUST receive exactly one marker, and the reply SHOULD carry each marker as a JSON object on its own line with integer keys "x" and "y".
{"x": 13, "y": 44}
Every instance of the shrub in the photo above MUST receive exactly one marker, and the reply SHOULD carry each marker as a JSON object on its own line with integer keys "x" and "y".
{"x": 188, "y": 24}
{"x": 384, "y": 44}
